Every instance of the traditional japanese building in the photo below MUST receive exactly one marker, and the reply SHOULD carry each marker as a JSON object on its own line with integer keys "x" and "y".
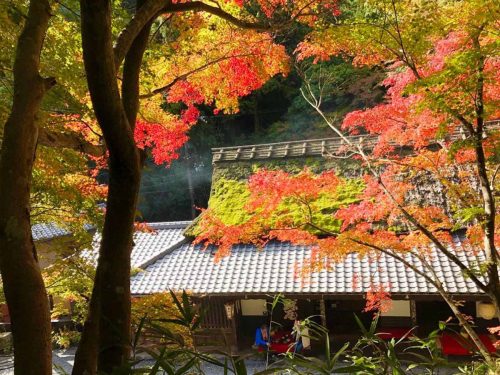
{"x": 238, "y": 288}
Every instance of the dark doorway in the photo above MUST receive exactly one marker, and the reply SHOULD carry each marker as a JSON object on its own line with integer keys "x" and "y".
{"x": 340, "y": 316}
{"x": 430, "y": 313}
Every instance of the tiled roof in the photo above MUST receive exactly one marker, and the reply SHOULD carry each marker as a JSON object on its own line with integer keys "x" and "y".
{"x": 149, "y": 246}
{"x": 274, "y": 269}
{"x": 47, "y": 231}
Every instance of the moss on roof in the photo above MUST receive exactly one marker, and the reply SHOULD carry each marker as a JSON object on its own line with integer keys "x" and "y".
{"x": 241, "y": 170}
{"x": 230, "y": 193}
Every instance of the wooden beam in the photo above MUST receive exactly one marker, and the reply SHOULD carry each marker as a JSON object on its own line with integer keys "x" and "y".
{"x": 413, "y": 312}
{"x": 322, "y": 312}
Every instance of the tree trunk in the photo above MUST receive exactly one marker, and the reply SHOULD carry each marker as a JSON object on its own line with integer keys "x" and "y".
{"x": 86, "y": 353}
{"x": 21, "y": 275}
{"x": 114, "y": 263}
{"x": 105, "y": 343}
{"x": 109, "y": 326}
{"x": 112, "y": 286}
{"x": 126, "y": 195}
{"x": 485, "y": 187}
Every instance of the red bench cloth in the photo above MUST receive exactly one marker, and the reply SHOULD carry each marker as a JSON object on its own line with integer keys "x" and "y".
{"x": 393, "y": 333}
{"x": 453, "y": 344}
{"x": 277, "y": 348}
{"x": 281, "y": 348}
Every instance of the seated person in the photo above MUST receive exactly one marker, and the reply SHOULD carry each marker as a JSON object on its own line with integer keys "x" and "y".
{"x": 302, "y": 339}
{"x": 262, "y": 337}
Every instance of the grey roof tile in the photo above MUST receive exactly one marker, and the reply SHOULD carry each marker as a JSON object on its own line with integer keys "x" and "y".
{"x": 274, "y": 269}
{"x": 47, "y": 231}
{"x": 148, "y": 246}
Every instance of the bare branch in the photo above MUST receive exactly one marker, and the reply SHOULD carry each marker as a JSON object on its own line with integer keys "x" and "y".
{"x": 387, "y": 192}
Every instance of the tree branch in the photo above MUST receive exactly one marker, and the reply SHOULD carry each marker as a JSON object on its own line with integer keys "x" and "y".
{"x": 153, "y": 8}
{"x": 386, "y": 191}
{"x": 442, "y": 291}
{"x": 200, "y": 6}
{"x": 436, "y": 282}
{"x": 132, "y": 69}
{"x": 187, "y": 74}
{"x": 69, "y": 140}
{"x": 145, "y": 14}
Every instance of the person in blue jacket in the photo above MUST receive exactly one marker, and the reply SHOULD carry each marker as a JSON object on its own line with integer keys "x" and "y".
{"x": 262, "y": 336}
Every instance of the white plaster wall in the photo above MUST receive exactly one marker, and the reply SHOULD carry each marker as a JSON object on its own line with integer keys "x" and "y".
{"x": 253, "y": 307}
{"x": 399, "y": 308}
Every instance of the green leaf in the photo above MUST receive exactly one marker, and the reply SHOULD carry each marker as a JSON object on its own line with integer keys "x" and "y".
{"x": 239, "y": 366}
{"x": 138, "y": 331}
{"x": 442, "y": 325}
{"x": 184, "y": 369}
{"x": 176, "y": 301}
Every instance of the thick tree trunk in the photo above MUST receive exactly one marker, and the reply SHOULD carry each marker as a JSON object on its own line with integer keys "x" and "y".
{"x": 126, "y": 194}
{"x": 21, "y": 275}
{"x": 109, "y": 323}
{"x": 111, "y": 295}
{"x": 86, "y": 353}
{"x": 114, "y": 263}
{"x": 106, "y": 341}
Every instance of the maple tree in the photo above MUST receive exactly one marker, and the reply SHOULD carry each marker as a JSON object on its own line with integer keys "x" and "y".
{"x": 68, "y": 195}
{"x": 429, "y": 139}
{"x": 242, "y": 57}
{"x": 202, "y": 55}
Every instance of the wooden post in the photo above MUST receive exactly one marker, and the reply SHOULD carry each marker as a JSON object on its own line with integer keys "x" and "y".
{"x": 322, "y": 311}
{"x": 234, "y": 345}
{"x": 413, "y": 312}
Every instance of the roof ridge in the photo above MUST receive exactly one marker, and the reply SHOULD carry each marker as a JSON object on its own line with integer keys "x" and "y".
{"x": 161, "y": 254}
{"x": 307, "y": 147}
{"x": 169, "y": 224}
